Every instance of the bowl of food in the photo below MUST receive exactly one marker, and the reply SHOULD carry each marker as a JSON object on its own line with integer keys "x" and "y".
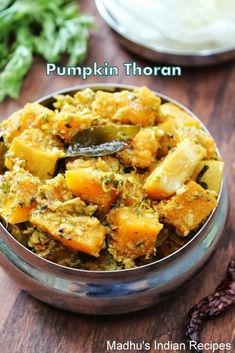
{"x": 112, "y": 197}
{"x": 191, "y": 39}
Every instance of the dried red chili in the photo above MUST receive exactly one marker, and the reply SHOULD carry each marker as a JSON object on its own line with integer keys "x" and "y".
{"x": 215, "y": 304}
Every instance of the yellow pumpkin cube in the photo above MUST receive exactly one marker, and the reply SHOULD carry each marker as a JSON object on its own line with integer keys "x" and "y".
{"x": 67, "y": 123}
{"x": 168, "y": 111}
{"x": 39, "y": 160}
{"x": 188, "y": 209}
{"x": 209, "y": 174}
{"x": 143, "y": 149}
{"x": 171, "y": 137}
{"x": 79, "y": 233}
{"x": 15, "y": 214}
{"x": 174, "y": 170}
{"x": 88, "y": 184}
{"x": 201, "y": 137}
{"x": 138, "y": 107}
{"x": 135, "y": 232}
{"x": 18, "y": 191}
{"x": 33, "y": 115}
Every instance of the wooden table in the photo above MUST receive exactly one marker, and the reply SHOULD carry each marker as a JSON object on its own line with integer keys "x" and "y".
{"x": 28, "y": 326}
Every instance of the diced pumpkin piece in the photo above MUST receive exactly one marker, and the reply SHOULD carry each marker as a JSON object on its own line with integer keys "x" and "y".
{"x": 18, "y": 190}
{"x": 3, "y": 151}
{"x": 67, "y": 123}
{"x": 33, "y": 115}
{"x": 14, "y": 213}
{"x": 106, "y": 104}
{"x": 188, "y": 209}
{"x": 174, "y": 170}
{"x": 170, "y": 138}
{"x": 79, "y": 233}
{"x": 81, "y": 163}
{"x": 105, "y": 164}
{"x": 39, "y": 159}
{"x": 143, "y": 149}
{"x": 142, "y": 110}
{"x": 82, "y": 99}
{"x": 53, "y": 190}
{"x": 168, "y": 111}
{"x": 201, "y": 137}
{"x": 138, "y": 107}
{"x": 132, "y": 191}
{"x": 136, "y": 114}
{"x": 135, "y": 232}
{"x": 88, "y": 184}
{"x": 209, "y": 174}
{"x": 176, "y": 130}
{"x": 85, "y": 97}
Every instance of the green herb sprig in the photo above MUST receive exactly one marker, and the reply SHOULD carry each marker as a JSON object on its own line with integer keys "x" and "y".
{"x": 40, "y": 27}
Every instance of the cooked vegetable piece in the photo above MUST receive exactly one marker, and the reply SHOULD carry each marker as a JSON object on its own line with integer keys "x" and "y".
{"x": 211, "y": 306}
{"x": 18, "y": 190}
{"x": 106, "y": 104}
{"x": 132, "y": 191}
{"x": 201, "y": 137}
{"x": 3, "y": 150}
{"x": 138, "y": 107}
{"x": 70, "y": 120}
{"x": 80, "y": 233}
{"x": 90, "y": 185}
{"x": 33, "y": 115}
{"x": 105, "y": 164}
{"x": 142, "y": 109}
{"x": 174, "y": 170}
{"x": 53, "y": 192}
{"x": 170, "y": 138}
{"x": 40, "y": 159}
{"x": 168, "y": 111}
{"x": 209, "y": 174}
{"x": 191, "y": 206}
{"x": 81, "y": 99}
{"x": 85, "y": 97}
{"x": 178, "y": 125}
{"x": 104, "y": 149}
{"x": 143, "y": 149}
{"x": 135, "y": 232}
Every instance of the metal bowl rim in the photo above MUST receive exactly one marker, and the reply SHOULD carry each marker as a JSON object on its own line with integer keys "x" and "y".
{"x": 162, "y": 261}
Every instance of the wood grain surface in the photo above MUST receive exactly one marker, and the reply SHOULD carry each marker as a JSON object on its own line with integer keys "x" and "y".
{"x": 28, "y": 326}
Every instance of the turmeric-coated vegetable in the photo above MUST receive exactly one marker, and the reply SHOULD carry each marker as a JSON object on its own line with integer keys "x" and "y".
{"x": 92, "y": 186}
{"x": 135, "y": 232}
{"x": 209, "y": 174}
{"x": 80, "y": 233}
{"x": 30, "y": 147}
{"x": 143, "y": 149}
{"x": 170, "y": 111}
{"x": 138, "y": 107}
{"x": 33, "y": 115}
{"x": 191, "y": 205}
{"x": 174, "y": 170}
{"x": 18, "y": 190}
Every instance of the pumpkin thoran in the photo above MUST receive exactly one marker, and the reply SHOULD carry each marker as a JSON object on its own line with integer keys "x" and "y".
{"x": 107, "y": 212}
